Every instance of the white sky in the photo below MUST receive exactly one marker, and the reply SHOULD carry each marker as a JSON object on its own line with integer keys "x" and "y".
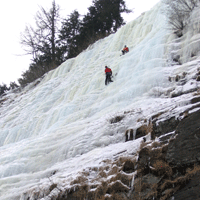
{"x": 15, "y": 15}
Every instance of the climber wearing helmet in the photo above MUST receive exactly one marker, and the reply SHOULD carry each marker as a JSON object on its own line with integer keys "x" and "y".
{"x": 125, "y": 50}
{"x": 108, "y": 73}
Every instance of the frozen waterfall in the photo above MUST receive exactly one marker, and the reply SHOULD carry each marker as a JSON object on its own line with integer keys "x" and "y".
{"x": 63, "y": 123}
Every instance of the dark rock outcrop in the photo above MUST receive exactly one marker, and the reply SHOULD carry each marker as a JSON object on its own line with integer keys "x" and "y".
{"x": 163, "y": 127}
{"x": 185, "y": 149}
{"x": 129, "y": 167}
{"x": 141, "y": 131}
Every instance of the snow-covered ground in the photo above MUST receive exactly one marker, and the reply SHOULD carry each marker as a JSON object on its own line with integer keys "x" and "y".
{"x": 63, "y": 124}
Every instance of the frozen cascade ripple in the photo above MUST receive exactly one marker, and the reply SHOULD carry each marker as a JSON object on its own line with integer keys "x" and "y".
{"x": 63, "y": 124}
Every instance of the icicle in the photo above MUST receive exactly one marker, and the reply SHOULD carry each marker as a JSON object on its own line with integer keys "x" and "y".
{"x": 134, "y": 134}
{"x": 132, "y": 181}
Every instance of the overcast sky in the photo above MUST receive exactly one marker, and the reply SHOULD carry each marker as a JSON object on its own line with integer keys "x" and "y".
{"x": 16, "y": 14}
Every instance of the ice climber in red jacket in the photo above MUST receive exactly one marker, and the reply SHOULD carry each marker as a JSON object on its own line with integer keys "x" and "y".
{"x": 108, "y": 73}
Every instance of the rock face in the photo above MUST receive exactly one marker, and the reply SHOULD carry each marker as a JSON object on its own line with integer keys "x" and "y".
{"x": 184, "y": 152}
{"x": 185, "y": 149}
{"x": 171, "y": 170}
{"x": 190, "y": 191}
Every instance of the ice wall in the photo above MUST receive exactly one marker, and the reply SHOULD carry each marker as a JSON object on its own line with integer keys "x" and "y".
{"x": 67, "y": 115}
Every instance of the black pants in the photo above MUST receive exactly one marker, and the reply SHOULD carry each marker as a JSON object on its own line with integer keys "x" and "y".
{"x": 123, "y": 52}
{"x": 108, "y": 78}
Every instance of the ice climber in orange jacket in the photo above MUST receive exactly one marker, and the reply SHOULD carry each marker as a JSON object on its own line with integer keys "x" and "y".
{"x": 125, "y": 50}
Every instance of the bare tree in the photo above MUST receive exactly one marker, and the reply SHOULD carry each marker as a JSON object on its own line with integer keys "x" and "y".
{"x": 41, "y": 41}
{"x": 178, "y": 12}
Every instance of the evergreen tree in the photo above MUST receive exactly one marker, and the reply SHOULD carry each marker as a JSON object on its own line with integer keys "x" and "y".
{"x": 69, "y": 35}
{"x": 105, "y": 15}
{"x": 3, "y": 88}
{"x": 103, "y": 18}
{"x": 13, "y": 85}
